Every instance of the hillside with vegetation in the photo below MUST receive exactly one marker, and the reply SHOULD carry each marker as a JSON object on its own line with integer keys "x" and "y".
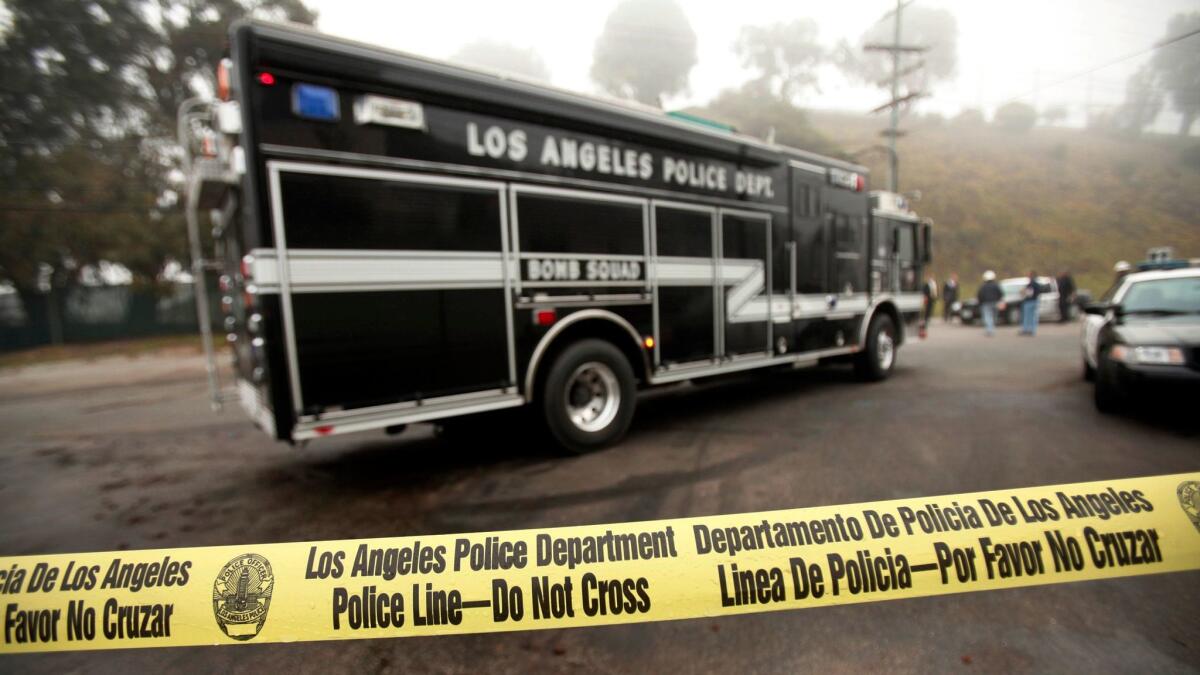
{"x": 1044, "y": 199}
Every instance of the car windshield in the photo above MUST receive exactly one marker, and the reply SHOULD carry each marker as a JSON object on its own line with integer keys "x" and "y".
{"x": 1112, "y": 291}
{"x": 1180, "y": 295}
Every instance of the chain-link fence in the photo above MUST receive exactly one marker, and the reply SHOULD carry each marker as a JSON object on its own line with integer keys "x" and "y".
{"x": 98, "y": 313}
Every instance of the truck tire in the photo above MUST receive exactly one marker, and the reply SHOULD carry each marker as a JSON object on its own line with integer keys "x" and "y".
{"x": 1089, "y": 373}
{"x": 878, "y": 356}
{"x": 1012, "y": 316}
{"x": 589, "y": 396}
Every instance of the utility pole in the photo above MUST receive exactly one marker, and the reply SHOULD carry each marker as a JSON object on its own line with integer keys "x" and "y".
{"x": 894, "y": 161}
{"x": 893, "y": 131}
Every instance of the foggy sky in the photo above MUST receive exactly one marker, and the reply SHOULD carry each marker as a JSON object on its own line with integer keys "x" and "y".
{"x": 1005, "y": 49}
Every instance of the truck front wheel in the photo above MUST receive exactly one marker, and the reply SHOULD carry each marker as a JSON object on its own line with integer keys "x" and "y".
{"x": 589, "y": 396}
{"x": 878, "y": 356}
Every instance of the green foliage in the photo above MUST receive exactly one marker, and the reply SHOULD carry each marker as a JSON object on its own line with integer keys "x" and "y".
{"x": 755, "y": 110}
{"x": 1015, "y": 116}
{"x": 503, "y": 57}
{"x": 784, "y": 56}
{"x": 646, "y": 51}
{"x": 1054, "y": 114}
{"x": 86, "y": 142}
{"x": 923, "y": 26}
{"x": 1178, "y": 66}
{"x": 969, "y": 117}
{"x": 1143, "y": 102}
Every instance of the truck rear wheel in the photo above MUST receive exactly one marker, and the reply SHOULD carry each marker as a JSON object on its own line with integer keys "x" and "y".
{"x": 589, "y": 396}
{"x": 878, "y": 357}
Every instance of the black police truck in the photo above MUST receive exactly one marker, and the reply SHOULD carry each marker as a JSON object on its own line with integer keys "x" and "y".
{"x": 400, "y": 240}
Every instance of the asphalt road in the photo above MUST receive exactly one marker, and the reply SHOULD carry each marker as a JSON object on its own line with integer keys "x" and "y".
{"x": 123, "y": 453}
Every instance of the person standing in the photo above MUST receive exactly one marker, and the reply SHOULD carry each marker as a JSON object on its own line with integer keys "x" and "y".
{"x": 1029, "y": 306}
{"x": 1120, "y": 270}
{"x": 931, "y": 292}
{"x": 989, "y": 294}
{"x": 949, "y": 296}
{"x": 1066, "y": 296}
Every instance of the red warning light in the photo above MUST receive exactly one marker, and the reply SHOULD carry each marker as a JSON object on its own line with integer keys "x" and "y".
{"x": 266, "y": 79}
{"x": 545, "y": 317}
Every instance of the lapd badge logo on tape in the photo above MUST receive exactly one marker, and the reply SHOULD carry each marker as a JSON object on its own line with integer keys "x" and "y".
{"x": 1189, "y": 499}
{"x": 242, "y": 595}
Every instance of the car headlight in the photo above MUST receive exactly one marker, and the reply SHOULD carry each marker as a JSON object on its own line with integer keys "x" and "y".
{"x": 1157, "y": 356}
{"x": 1163, "y": 356}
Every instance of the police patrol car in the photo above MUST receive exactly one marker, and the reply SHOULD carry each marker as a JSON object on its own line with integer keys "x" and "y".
{"x": 403, "y": 240}
{"x": 1147, "y": 338}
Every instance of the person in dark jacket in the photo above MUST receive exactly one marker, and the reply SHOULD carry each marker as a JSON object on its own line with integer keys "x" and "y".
{"x": 1066, "y": 296}
{"x": 1029, "y": 306}
{"x": 989, "y": 294}
{"x": 949, "y": 296}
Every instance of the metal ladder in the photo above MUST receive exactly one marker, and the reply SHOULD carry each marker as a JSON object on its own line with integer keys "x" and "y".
{"x": 207, "y": 180}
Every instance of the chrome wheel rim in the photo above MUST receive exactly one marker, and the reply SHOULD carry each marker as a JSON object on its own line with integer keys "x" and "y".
{"x": 592, "y": 396}
{"x": 885, "y": 350}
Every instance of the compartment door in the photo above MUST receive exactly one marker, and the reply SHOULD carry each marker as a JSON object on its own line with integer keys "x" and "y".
{"x": 685, "y": 293}
{"x": 392, "y": 287}
{"x": 744, "y": 268}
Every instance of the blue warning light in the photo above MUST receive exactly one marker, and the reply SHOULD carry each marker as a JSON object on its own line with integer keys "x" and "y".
{"x": 315, "y": 102}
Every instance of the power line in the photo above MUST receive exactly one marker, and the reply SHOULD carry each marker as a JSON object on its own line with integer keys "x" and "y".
{"x": 1084, "y": 73}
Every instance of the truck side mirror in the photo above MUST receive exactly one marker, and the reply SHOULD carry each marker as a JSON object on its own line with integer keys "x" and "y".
{"x": 1098, "y": 308}
{"x": 926, "y": 242}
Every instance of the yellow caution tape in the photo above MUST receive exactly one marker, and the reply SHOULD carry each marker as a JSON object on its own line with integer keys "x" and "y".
{"x": 604, "y": 574}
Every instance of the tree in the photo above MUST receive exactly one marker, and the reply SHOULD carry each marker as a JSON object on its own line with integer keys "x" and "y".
{"x": 969, "y": 117}
{"x": 921, "y": 26}
{"x": 503, "y": 57}
{"x": 1054, "y": 114}
{"x": 784, "y": 56}
{"x": 1015, "y": 116}
{"x": 195, "y": 35}
{"x": 755, "y": 111}
{"x": 1178, "y": 68}
{"x": 645, "y": 52}
{"x": 1143, "y": 102}
{"x": 86, "y": 142}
